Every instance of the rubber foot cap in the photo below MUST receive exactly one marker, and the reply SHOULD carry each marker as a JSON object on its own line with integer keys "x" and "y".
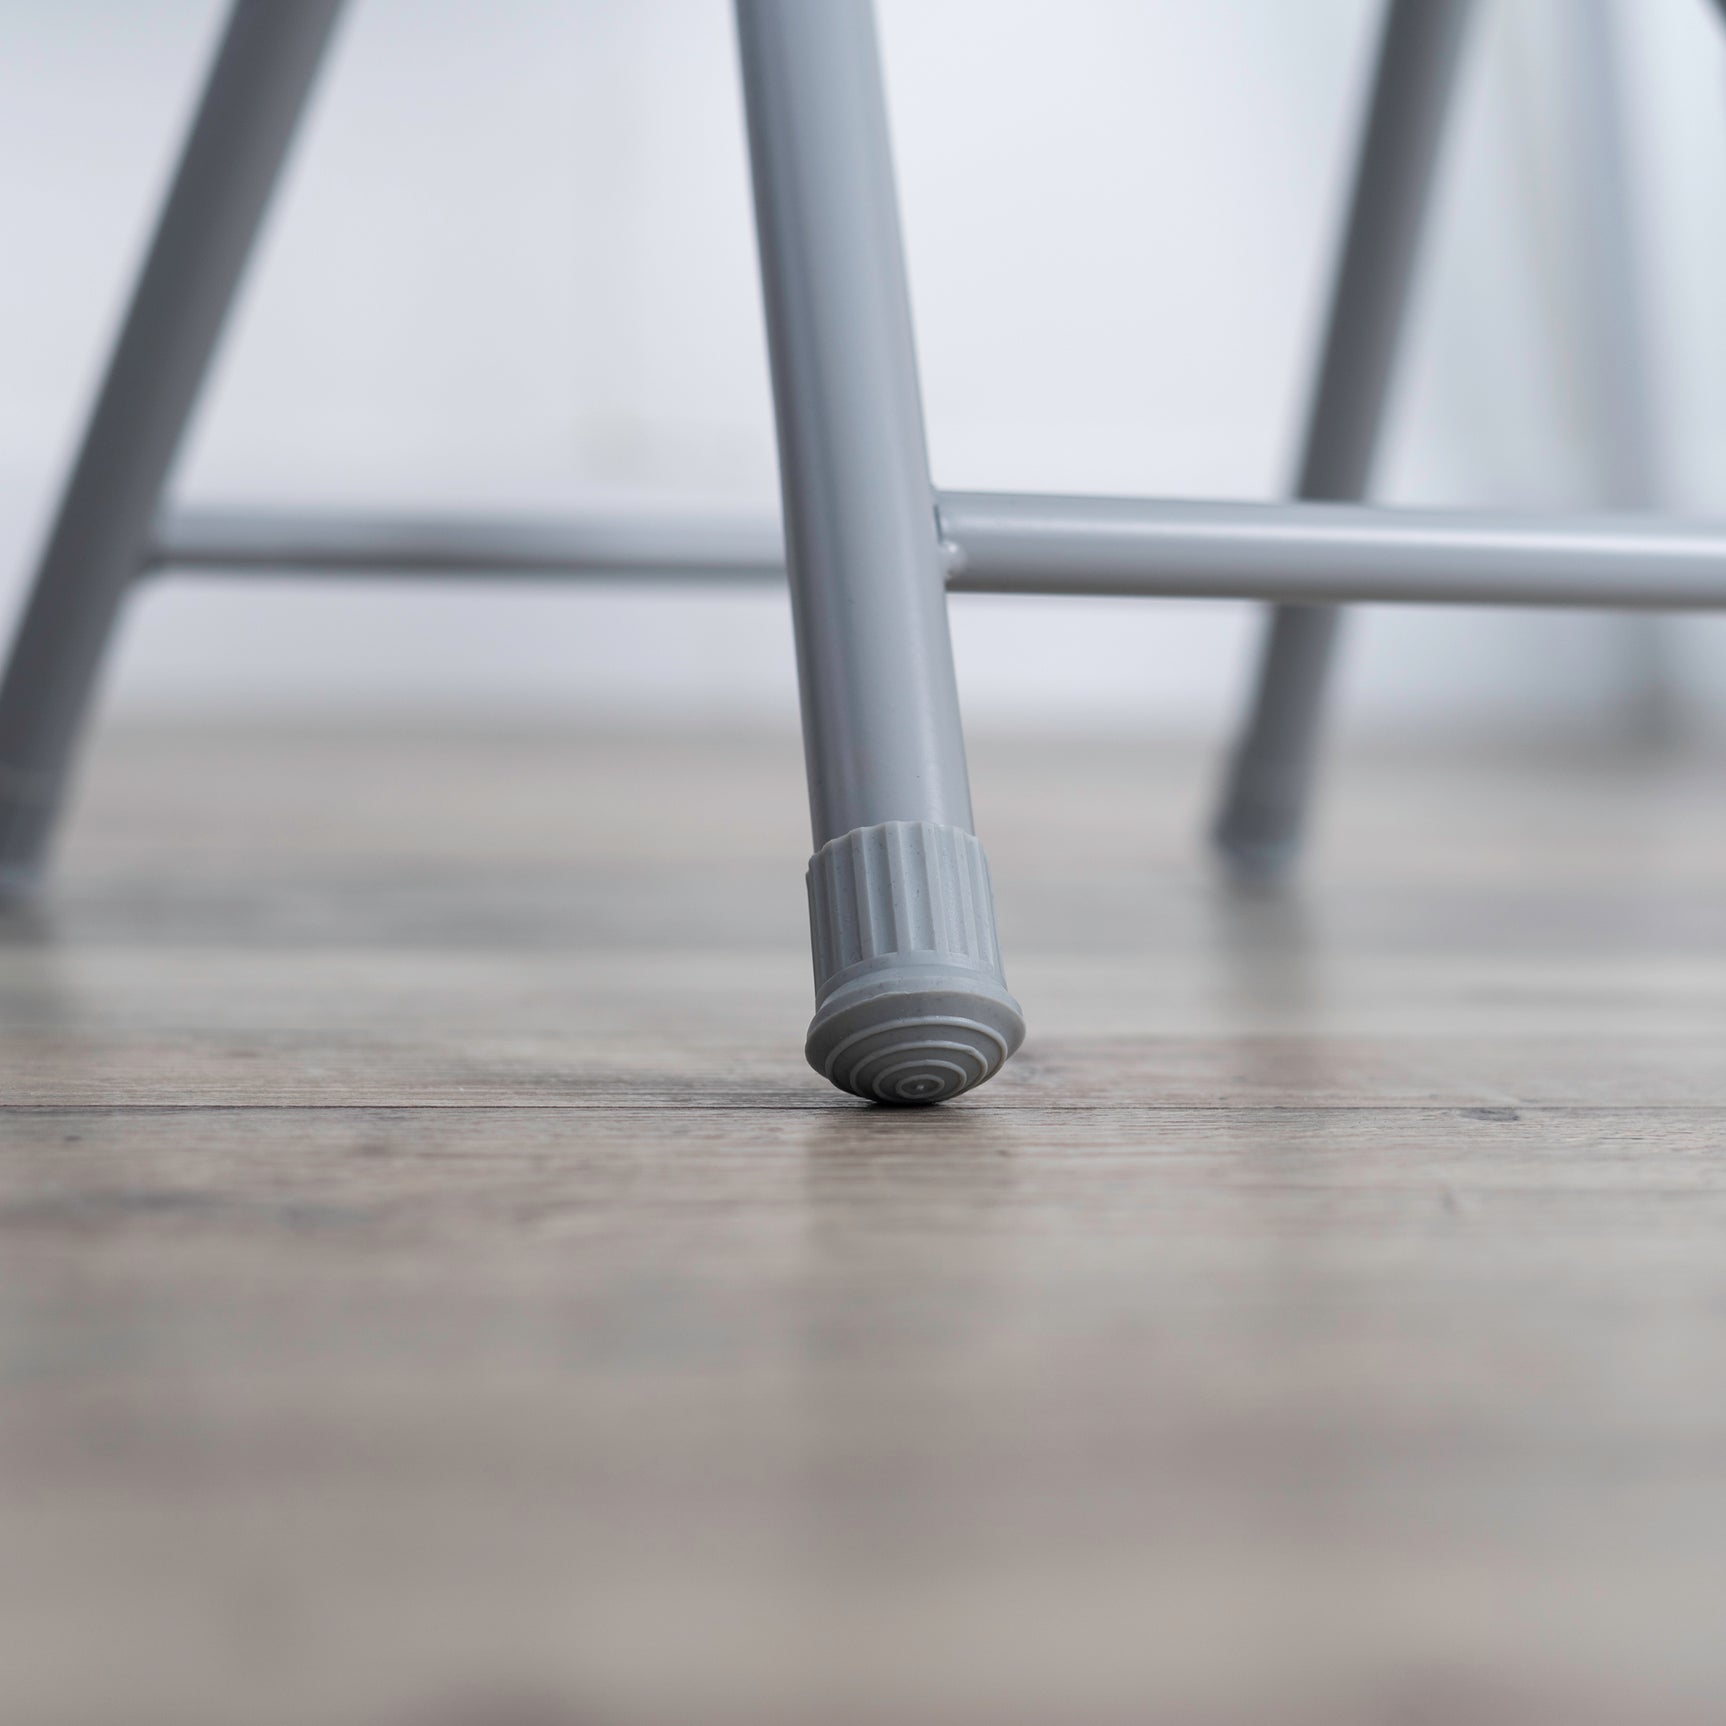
{"x": 911, "y": 1005}
{"x": 916, "y": 1034}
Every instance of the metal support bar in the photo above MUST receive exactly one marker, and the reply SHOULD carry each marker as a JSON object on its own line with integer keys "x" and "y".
{"x": 645, "y": 547}
{"x": 253, "y": 97}
{"x": 1612, "y": 354}
{"x": 1264, "y": 802}
{"x": 1305, "y": 554}
{"x": 1289, "y": 553}
{"x": 910, "y": 1002}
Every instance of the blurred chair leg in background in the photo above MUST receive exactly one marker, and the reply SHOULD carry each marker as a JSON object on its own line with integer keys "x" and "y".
{"x": 911, "y": 1005}
{"x": 252, "y": 101}
{"x": 1608, "y": 280}
{"x": 1258, "y": 829}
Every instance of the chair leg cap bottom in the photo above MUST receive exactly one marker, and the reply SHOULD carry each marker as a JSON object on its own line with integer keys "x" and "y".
{"x": 913, "y": 1037}
{"x": 26, "y": 815}
{"x": 1258, "y": 863}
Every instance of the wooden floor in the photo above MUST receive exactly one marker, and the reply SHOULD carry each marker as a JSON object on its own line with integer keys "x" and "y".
{"x": 432, "y": 1288}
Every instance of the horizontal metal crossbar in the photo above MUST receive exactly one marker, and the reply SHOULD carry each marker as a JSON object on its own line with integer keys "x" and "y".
{"x": 1295, "y": 552}
{"x": 1331, "y": 553}
{"x": 555, "y": 548}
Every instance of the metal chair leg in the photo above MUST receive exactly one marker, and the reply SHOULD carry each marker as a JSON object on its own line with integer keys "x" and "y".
{"x": 911, "y": 1005}
{"x": 252, "y": 99}
{"x": 1615, "y": 354}
{"x": 1264, "y": 803}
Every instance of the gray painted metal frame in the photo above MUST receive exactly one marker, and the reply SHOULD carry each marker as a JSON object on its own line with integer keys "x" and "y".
{"x": 689, "y": 548}
{"x": 880, "y": 703}
{"x": 911, "y": 1005}
{"x": 1615, "y": 356}
{"x": 1332, "y": 553}
{"x": 253, "y": 97}
{"x": 1285, "y": 553}
{"x": 911, "y": 1002}
{"x": 1264, "y": 800}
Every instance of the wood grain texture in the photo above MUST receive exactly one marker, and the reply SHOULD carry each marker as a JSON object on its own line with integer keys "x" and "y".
{"x": 432, "y": 1289}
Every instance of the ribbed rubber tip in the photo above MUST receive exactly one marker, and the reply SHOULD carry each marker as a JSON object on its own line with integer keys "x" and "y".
{"x": 911, "y": 1005}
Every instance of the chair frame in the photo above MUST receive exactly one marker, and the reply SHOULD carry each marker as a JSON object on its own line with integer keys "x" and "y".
{"x": 912, "y": 1005}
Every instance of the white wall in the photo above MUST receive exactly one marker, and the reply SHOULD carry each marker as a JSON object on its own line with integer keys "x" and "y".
{"x": 513, "y": 265}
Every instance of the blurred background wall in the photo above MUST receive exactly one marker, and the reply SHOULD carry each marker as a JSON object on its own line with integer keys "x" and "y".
{"x": 513, "y": 265}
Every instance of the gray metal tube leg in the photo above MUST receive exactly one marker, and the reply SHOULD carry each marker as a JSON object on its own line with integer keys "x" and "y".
{"x": 252, "y": 98}
{"x": 1264, "y": 802}
{"x": 1616, "y": 355}
{"x": 911, "y": 1004}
